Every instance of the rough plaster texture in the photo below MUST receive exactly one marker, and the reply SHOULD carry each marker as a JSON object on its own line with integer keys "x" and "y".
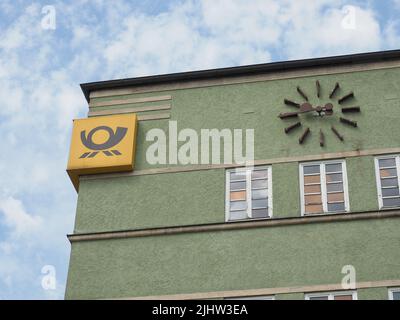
{"x": 245, "y": 259}
{"x": 233, "y": 260}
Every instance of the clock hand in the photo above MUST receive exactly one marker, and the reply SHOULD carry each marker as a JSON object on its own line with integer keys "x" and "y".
{"x": 288, "y": 115}
{"x": 305, "y": 107}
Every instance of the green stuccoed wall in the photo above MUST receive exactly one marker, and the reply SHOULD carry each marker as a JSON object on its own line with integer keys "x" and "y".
{"x": 151, "y": 201}
{"x": 138, "y": 200}
{"x": 198, "y": 197}
{"x": 246, "y": 259}
{"x": 286, "y": 198}
{"x": 257, "y": 105}
{"x": 373, "y": 294}
{"x": 232, "y": 260}
{"x": 363, "y": 194}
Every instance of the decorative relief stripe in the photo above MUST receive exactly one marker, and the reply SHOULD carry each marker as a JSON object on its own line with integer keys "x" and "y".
{"x": 235, "y": 225}
{"x": 268, "y": 291}
{"x": 303, "y": 73}
{"x": 128, "y": 101}
{"x": 129, "y": 110}
{"x": 189, "y": 168}
{"x": 145, "y": 117}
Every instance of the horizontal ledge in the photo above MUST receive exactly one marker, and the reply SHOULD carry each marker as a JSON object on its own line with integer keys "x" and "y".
{"x": 269, "y": 291}
{"x": 234, "y": 225}
{"x": 129, "y": 110}
{"x": 190, "y": 168}
{"x": 128, "y": 101}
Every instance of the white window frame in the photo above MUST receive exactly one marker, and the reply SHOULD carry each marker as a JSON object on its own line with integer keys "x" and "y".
{"x": 248, "y": 192}
{"x": 391, "y": 291}
{"x": 378, "y": 178}
{"x": 323, "y": 187}
{"x": 331, "y": 294}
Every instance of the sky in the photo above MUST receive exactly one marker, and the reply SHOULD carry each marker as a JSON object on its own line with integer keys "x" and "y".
{"x": 47, "y": 48}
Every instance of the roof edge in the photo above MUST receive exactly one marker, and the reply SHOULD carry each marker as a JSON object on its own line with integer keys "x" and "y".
{"x": 358, "y": 58}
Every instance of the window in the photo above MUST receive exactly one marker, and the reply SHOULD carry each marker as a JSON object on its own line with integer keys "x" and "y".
{"x": 323, "y": 187}
{"x": 387, "y": 178}
{"x": 248, "y": 193}
{"x": 343, "y": 295}
{"x": 394, "y": 294}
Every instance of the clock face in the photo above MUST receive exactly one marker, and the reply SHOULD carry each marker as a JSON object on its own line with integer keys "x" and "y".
{"x": 328, "y": 107}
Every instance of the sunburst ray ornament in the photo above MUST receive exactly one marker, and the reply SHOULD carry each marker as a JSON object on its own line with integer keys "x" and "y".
{"x": 321, "y": 110}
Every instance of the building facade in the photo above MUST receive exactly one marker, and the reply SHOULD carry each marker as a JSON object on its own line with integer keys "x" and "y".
{"x": 317, "y": 215}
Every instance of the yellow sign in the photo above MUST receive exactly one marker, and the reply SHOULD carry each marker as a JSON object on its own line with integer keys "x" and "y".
{"x": 102, "y": 144}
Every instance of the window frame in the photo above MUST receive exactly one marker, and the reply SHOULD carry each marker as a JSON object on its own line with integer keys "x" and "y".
{"x": 378, "y": 178}
{"x": 248, "y": 171}
{"x": 324, "y": 199}
{"x": 331, "y": 294}
{"x": 391, "y": 291}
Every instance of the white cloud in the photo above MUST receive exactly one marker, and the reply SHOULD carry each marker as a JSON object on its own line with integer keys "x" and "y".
{"x": 6, "y": 247}
{"x": 16, "y": 218}
{"x": 256, "y": 24}
{"x": 40, "y": 72}
{"x": 208, "y": 34}
{"x": 9, "y": 267}
{"x": 314, "y": 30}
{"x": 191, "y": 36}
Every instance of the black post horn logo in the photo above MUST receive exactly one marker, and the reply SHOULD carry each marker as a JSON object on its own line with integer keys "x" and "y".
{"x": 113, "y": 140}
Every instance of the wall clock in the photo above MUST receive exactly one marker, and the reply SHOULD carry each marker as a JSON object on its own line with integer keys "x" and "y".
{"x": 321, "y": 110}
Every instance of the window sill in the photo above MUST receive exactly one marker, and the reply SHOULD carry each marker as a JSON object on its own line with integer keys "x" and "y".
{"x": 324, "y": 214}
{"x": 249, "y": 219}
{"x": 389, "y": 208}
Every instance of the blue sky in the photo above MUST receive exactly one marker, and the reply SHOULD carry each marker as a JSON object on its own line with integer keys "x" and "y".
{"x": 41, "y": 69}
